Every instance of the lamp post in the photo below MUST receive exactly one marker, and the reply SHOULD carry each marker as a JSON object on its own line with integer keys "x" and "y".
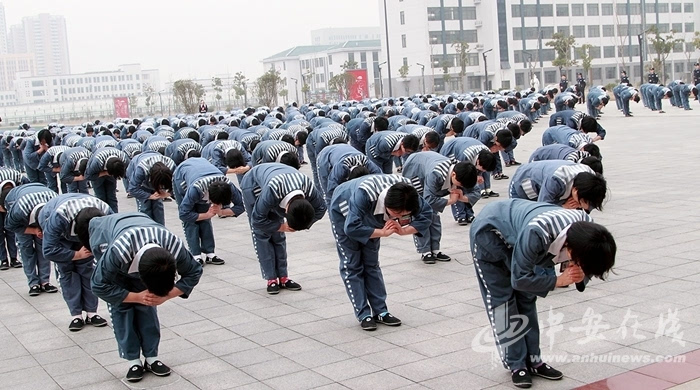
{"x": 381, "y": 80}
{"x": 296, "y": 88}
{"x": 388, "y": 56}
{"x": 161, "y": 103}
{"x": 486, "y": 71}
{"x": 422, "y": 74}
{"x": 641, "y": 58}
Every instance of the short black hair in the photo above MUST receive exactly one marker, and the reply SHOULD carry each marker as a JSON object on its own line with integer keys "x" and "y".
{"x": 504, "y": 137}
{"x": 593, "y": 150}
{"x": 161, "y": 177}
{"x": 592, "y": 247}
{"x": 193, "y": 134}
{"x": 502, "y": 103}
{"x": 381, "y": 123}
{"x": 410, "y": 142}
{"x": 157, "y": 271}
{"x": 592, "y": 188}
{"x": 466, "y": 174}
{"x": 431, "y": 138}
{"x": 220, "y": 193}
{"x": 514, "y": 129}
{"x": 288, "y": 138}
{"x": 536, "y": 105}
{"x": 234, "y": 159}
{"x": 116, "y": 168}
{"x": 487, "y": 160}
{"x": 525, "y": 126}
{"x": 457, "y": 125}
{"x": 222, "y": 135}
{"x": 594, "y": 163}
{"x": 253, "y": 144}
{"x": 403, "y": 197}
{"x": 358, "y": 171}
{"x": 301, "y": 137}
{"x": 589, "y": 124}
{"x": 3, "y": 196}
{"x": 44, "y": 135}
{"x": 82, "y": 166}
{"x": 300, "y": 214}
{"x": 82, "y": 224}
{"x": 291, "y": 159}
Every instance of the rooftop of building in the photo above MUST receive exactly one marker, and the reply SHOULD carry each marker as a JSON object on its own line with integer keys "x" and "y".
{"x": 296, "y": 51}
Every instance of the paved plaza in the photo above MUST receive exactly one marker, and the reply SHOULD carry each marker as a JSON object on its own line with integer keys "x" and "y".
{"x": 231, "y": 334}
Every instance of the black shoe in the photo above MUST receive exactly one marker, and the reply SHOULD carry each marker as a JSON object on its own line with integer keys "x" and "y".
{"x": 500, "y": 176}
{"x": 368, "y": 324}
{"x": 168, "y": 199}
{"x": 515, "y": 163}
{"x": 388, "y": 320}
{"x": 522, "y": 379}
{"x": 428, "y": 258}
{"x": 485, "y": 195}
{"x": 96, "y": 321}
{"x": 291, "y": 285}
{"x": 76, "y": 325}
{"x": 14, "y": 263}
{"x": 200, "y": 261}
{"x": 462, "y": 222}
{"x": 442, "y": 257}
{"x": 158, "y": 368}
{"x": 34, "y": 290}
{"x": 273, "y": 288}
{"x": 546, "y": 371}
{"x": 492, "y": 194}
{"x": 215, "y": 260}
{"x": 49, "y": 288}
{"x": 303, "y": 163}
{"x": 135, "y": 373}
{"x": 4, "y": 265}
{"x": 129, "y": 196}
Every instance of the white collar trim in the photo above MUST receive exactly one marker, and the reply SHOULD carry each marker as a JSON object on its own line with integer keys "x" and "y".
{"x": 134, "y": 267}
{"x": 285, "y": 201}
{"x": 557, "y": 249}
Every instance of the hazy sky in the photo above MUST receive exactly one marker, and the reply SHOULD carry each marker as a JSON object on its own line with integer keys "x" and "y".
{"x": 188, "y": 39}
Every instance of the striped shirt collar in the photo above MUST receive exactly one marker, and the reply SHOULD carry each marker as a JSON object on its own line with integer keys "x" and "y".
{"x": 557, "y": 247}
{"x": 380, "y": 208}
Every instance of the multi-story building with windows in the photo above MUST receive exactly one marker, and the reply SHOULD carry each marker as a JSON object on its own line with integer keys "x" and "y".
{"x": 336, "y": 35}
{"x": 512, "y": 35}
{"x": 45, "y": 36}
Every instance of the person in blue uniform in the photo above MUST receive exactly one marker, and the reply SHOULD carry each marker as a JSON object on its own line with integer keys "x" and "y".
{"x": 565, "y": 152}
{"x": 382, "y": 146}
{"x": 277, "y": 151}
{"x": 279, "y": 200}
{"x": 580, "y": 121}
{"x": 73, "y": 163}
{"x": 361, "y": 130}
{"x": 181, "y": 149}
{"x": 150, "y": 179}
{"x": 508, "y": 240}
{"x": 340, "y": 163}
{"x": 104, "y": 168}
{"x": 362, "y": 211}
{"x": 34, "y": 148}
{"x": 137, "y": 264}
{"x": 9, "y": 179}
{"x": 73, "y": 262}
{"x": 565, "y": 135}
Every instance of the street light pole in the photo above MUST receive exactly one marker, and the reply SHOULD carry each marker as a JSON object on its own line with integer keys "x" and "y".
{"x": 296, "y": 89}
{"x": 388, "y": 57}
{"x": 422, "y": 74}
{"x": 486, "y": 71}
{"x": 641, "y": 59}
{"x": 381, "y": 80}
{"x": 161, "y": 103}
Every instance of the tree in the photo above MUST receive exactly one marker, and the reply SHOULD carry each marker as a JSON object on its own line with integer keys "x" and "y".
{"x": 349, "y": 65}
{"x": 150, "y": 97}
{"x": 240, "y": 85}
{"x": 133, "y": 104}
{"x": 341, "y": 83}
{"x": 403, "y": 73}
{"x": 268, "y": 86}
{"x": 662, "y": 46}
{"x": 586, "y": 60}
{"x": 562, "y": 45}
{"x": 462, "y": 48}
{"x": 186, "y": 94}
{"x": 696, "y": 42}
{"x": 218, "y": 87}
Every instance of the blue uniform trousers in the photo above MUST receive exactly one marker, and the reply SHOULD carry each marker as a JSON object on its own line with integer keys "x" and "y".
{"x": 74, "y": 279}
{"x": 105, "y": 188}
{"x": 52, "y": 183}
{"x": 37, "y": 269}
{"x": 271, "y": 249}
{"x": 152, "y": 208}
{"x": 78, "y": 187}
{"x": 7, "y": 241}
{"x": 430, "y": 242}
{"x": 35, "y": 176}
{"x": 137, "y": 330}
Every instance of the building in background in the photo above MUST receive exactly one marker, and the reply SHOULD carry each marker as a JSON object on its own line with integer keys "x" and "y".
{"x": 336, "y": 35}
{"x": 45, "y": 36}
{"x": 16, "y": 41}
{"x": 512, "y": 36}
{"x": 3, "y": 30}
{"x": 10, "y": 66}
{"x": 307, "y": 69}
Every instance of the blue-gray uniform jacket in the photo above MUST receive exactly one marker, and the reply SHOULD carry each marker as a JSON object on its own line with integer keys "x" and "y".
{"x": 192, "y": 179}
{"x": 484, "y": 131}
{"x": 361, "y": 203}
{"x": 116, "y": 239}
{"x": 419, "y": 131}
{"x": 56, "y": 220}
{"x": 243, "y": 136}
{"x": 360, "y": 130}
{"x": 105, "y": 141}
{"x": 424, "y": 116}
{"x": 511, "y": 117}
{"x": 441, "y": 124}
{"x": 573, "y": 119}
{"x": 184, "y": 132}
{"x": 70, "y": 161}
{"x": 209, "y": 133}
{"x": 270, "y": 151}
{"x": 29, "y": 154}
{"x": 50, "y": 159}
{"x": 86, "y": 142}
{"x": 565, "y": 135}
{"x": 142, "y": 135}
{"x": 215, "y": 153}
{"x": 272, "y": 183}
{"x": 529, "y": 228}
{"x": 276, "y": 134}
{"x": 380, "y": 145}
{"x": 97, "y": 163}
{"x": 130, "y": 146}
{"x": 397, "y": 121}
{"x": 430, "y": 174}
{"x": 548, "y": 181}
{"x": 339, "y": 160}
{"x": 156, "y": 143}
{"x": 139, "y": 172}
{"x": 471, "y": 117}
{"x": 325, "y": 135}
{"x": 558, "y": 152}
{"x": 464, "y": 149}
{"x": 179, "y": 150}
{"x": 22, "y": 204}
{"x": 71, "y": 140}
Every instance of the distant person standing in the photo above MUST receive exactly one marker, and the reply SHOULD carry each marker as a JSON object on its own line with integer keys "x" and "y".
{"x": 535, "y": 82}
{"x": 652, "y": 78}
{"x": 696, "y": 78}
{"x": 581, "y": 82}
{"x": 563, "y": 83}
{"x": 623, "y": 78}
{"x": 203, "y": 108}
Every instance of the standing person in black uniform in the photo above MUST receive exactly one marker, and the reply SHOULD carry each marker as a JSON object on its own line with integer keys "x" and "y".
{"x": 696, "y": 76}
{"x": 652, "y": 78}
{"x": 203, "y": 108}
{"x": 564, "y": 83}
{"x": 581, "y": 82}
{"x": 623, "y": 78}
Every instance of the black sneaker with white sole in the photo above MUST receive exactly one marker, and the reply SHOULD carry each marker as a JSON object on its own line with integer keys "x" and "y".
{"x": 96, "y": 321}
{"x": 49, "y": 288}
{"x": 546, "y": 371}
{"x": 215, "y": 260}
{"x": 4, "y": 265}
{"x": 428, "y": 258}
{"x": 273, "y": 288}
{"x": 387, "y": 319}
{"x": 76, "y": 325}
{"x": 34, "y": 290}
{"x": 135, "y": 373}
{"x": 158, "y": 368}
{"x": 368, "y": 324}
{"x": 522, "y": 379}
{"x": 442, "y": 257}
{"x": 290, "y": 285}
{"x": 14, "y": 263}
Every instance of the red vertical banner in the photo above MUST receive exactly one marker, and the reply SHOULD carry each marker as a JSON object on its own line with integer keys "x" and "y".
{"x": 121, "y": 107}
{"x": 358, "y": 89}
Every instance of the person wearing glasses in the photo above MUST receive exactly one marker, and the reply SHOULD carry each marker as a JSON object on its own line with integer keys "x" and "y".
{"x": 362, "y": 211}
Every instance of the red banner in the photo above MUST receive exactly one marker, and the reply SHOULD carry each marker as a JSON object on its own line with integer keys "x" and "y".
{"x": 358, "y": 89}
{"x": 121, "y": 107}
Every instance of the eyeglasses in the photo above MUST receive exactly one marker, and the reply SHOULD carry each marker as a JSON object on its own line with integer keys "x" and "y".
{"x": 403, "y": 220}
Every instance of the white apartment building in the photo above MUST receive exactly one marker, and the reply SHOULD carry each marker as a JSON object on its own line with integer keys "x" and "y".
{"x": 336, "y": 35}
{"x": 3, "y": 30}
{"x": 512, "y": 34}
{"x": 11, "y": 65}
{"x": 313, "y": 66}
{"x": 127, "y": 80}
{"x": 45, "y": 36}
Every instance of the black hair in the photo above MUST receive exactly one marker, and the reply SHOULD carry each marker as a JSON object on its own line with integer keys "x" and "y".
{"x": 220, "y": 193}
{"x": 358, "y": 171}
{"x": 431, "y": 138}
{"x": 381, "y": 123}
{"x": 504, "y": 137}
{"x": 592, "y": 247}
{"x": 514, "y": 129}
{"x": 502, "y": 103}
{"x": 3, "y": 196}
{"x": 593, "y": 150}
{"x": 589, "y": 124}
{"x": 518, "y": 95}
{"x": 571, "y": 103}
{"x": 213, "y": 120}
{"x": 512, "y": 100}
{"x": 487, "y": 160}
{"x": 338, "y": 140}
{"x": 222, "y": 135}
{"x": 457, "y": 125}
{"x": 300, "y": 214}
{"x": 402, "y": 197}
{"x": 594, "y": 163}
{"x": 82, "y": 224}
{"x": 469, "y": 106}
{"x": 192, "y": 153}
{"x": 465, "y": 173}
{"x": 161, "y": 177}
{"x": 605, "y": 100}
{"x": 82, "y": 166}
{"x": 525, "y": 126}
{"x": 290, "y": 159}
{"x": 193, "y": 135}
{"x": 116, "y": 168}
{"x": 157, "y": 271}
{"x": 253, "y": 144}
{"x": 301, "y": 137}
{"x": 460, "y": 106}
{"x": 636, "y": 98}
{"x": 591, "y": 188}
{"x": 410, "y": 142}
{"x": 288, "y": 138}
{"x": 536, "y": 106}
{"x": 44, "y": 135}
{"x": 542, "y": 99}
{"x": 234, "y": 159}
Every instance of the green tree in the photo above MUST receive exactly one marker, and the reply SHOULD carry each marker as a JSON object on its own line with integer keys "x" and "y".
{"x": 150, "y": 97}
{"x": 562, "y": 45}
{"x": 133, "y": 104}
{"x": 240, "y": 86}
{"x": 586, "y": 61}
{"x": 341, "y": 83}
{"x": 462, "y": 48}
{"x": 348, "y": 65}
{"x": 696, "y": 41}
{"x": 186, "y": 94}
{"x": 662, "y": 46}
{"x": 218, "y": 87}
{"x": 268, "y": 86}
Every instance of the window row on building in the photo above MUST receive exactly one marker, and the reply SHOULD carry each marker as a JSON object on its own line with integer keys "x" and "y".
{"x": 594, "y": 9}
